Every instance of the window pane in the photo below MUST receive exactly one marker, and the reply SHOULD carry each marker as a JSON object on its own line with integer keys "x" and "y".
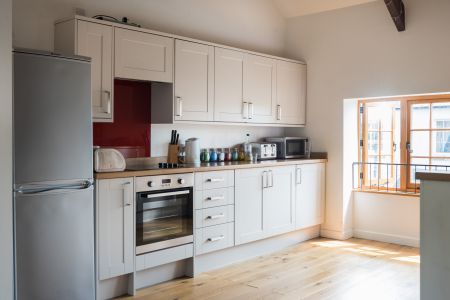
{"x": 420, "y": 116}
{"x": 397, "y": 135}
{"x": 420, "y": 143}
{"x": 418, "y": 164}
{"x": 372, "y": 143}
{"x": 441, "y": 143}
{"x": 372, "y": 169}
{"x": 386, "y": 143}
{"x": 441, "y": 115}
{"x": 441, "y": 162}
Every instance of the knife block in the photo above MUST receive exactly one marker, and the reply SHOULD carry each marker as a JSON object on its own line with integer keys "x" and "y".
{"x": 172, "y": 155}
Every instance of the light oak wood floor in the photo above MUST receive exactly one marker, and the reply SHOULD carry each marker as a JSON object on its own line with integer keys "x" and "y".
{"x": 316, "y": 269}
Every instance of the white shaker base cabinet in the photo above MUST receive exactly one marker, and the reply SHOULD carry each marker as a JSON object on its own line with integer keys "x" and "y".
{"x": 115, "y": 227}
{"x": 264, "y": 201}
{"x": 310, "y": 195}
{"x": 143, "y": 56}
{"x": 194, "y": 81}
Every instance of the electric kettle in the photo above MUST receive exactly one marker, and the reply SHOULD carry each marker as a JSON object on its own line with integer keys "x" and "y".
{"x": 192, "y": 149}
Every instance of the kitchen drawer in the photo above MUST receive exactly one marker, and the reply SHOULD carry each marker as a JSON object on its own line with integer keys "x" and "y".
{"x": 214, "y": 197}
{"x": 214, "y": 180}
{"x": 214, "y": 238}
{"x": 165, "y": 256}
{"x": 214, "y": 216}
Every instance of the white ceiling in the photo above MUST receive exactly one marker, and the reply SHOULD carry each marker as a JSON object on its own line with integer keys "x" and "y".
{"x": 295, "y": 8}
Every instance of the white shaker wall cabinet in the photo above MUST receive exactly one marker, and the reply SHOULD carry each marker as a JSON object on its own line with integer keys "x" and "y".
{"x": 291, "y": 93}
{"x": 194, "y": 81}
{"x": 95, "y": 41}
{"x": 115, "y": 220}
{"x": 260, "y": 88}
{"x": 229, "y": 105}
{"x": 143, "y": 56}
{"x": 264, "y": 203}
{"x": 310, "y": 195}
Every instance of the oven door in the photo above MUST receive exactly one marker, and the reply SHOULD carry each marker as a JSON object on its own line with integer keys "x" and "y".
{"x": 163, "y": 219}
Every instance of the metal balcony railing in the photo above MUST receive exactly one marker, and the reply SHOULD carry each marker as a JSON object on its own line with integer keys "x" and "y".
{"x": 389, "y": 177}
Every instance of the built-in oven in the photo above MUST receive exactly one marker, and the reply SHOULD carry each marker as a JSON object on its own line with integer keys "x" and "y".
{"x": 164, "y": 212}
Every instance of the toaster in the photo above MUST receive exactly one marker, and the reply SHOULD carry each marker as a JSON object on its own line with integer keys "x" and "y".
{"x": 265, "y": 150}
{"x": 108, "y": 160}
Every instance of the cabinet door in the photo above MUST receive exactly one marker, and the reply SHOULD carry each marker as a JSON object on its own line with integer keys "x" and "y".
{"x": 279, "y": 201}
{"x": 143, "y": 56}
{"x": 96, "y": 41}
{"x": 194, "y": 81}
{"x": 291, "y": 93}
{"x": 228, "y": 101}
{"x": 259, "y": 88}
{"x": 248, "y": 205}
{"x": 115, "y": 211}
{"x": 310, "y": 195}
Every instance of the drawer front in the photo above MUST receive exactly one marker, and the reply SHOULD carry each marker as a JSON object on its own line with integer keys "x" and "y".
{"x": 213, "y": 198}
{"x": 214, "y": 216}
{"x": 165, "y": 256}
{"x": 214, "y": 238}
{"x": 214, "y": 180}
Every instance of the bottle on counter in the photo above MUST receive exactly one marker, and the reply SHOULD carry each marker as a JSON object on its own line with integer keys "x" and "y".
{"x": 204, "y": 155}
{"x": 248, "y": 148}
{"x": 227, "y": 154}
{"x": 241, "y": 154}
{"x": 213, "y": 155}
{"x": 220, "y": 154}
{"x": 235, "y": 154}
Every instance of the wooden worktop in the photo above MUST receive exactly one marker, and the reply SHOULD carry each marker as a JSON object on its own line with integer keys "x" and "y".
{"x": 433, "y": 175}
{"x": 205, "y": 167}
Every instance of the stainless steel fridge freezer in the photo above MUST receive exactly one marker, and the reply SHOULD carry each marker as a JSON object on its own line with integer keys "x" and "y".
{"x": 53, "y": 177}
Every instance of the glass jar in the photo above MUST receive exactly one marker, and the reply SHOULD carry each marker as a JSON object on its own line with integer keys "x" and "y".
{"x": 242, "y": 154}
{"x": 235, "y": 155}
{"x": 204, "y": 155}
{"x": 220, "y": 155}
{"x": 227, "y": 154}
{"x": 212, "y": 155}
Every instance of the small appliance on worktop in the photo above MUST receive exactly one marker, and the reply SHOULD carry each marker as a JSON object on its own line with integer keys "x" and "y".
{"x": 291, "y": 147}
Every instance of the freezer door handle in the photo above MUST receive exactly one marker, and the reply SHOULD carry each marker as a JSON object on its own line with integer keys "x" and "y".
{"x": 39, "y": 189}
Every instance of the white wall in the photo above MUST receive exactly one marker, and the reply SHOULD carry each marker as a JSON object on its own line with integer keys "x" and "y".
{"x": 357, "y": 52}
{"x": 251, "y": 24}
{"x": 6, "y": 228}
{"x": 212, "y": 136}
{"x": 387, "y": 218}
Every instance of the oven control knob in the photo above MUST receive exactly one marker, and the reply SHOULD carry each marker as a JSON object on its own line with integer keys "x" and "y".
{"x": 181, "y": 181}
{"x": 150, "y": 184}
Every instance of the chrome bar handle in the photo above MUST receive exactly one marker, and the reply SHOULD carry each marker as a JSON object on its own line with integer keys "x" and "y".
{"x": 215, "y": 198}
{"x": 179, "y": 107}
{"x": 264, "y": 180}
{"x": 106, "y": 102}
{"x": 278, "y": 112}
{"x": 245, "y": 110}
{"x": 215, "y": 179}
{"x": 215, "y": 239}
{"x": 251, "y": 110}
{"x": 215, "y": 217}
{"x": 125, "y": 194}
{"x": 299, "y": 176}
{"x": 271, "y": 178}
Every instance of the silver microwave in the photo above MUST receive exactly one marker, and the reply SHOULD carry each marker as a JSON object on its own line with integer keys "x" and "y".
{"x": 291, "y": 147}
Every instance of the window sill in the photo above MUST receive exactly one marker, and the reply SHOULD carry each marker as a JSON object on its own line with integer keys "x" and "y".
{"x": 394, "y": 193}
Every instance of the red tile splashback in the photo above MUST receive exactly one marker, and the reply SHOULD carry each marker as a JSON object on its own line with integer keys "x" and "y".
{"x": 130, "y": 132}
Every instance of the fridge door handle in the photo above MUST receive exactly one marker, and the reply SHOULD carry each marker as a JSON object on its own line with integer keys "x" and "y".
{"x": 39, "y": 189}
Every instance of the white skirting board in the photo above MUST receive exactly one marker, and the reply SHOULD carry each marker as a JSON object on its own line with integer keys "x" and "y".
{"x": 387, "y": 238}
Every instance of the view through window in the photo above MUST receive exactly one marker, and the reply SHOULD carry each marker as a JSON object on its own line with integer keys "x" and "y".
{"x": 401, "y": 136}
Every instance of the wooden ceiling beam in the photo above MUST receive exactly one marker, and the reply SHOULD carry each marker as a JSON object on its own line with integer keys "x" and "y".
{"x": 397, "y": 10}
